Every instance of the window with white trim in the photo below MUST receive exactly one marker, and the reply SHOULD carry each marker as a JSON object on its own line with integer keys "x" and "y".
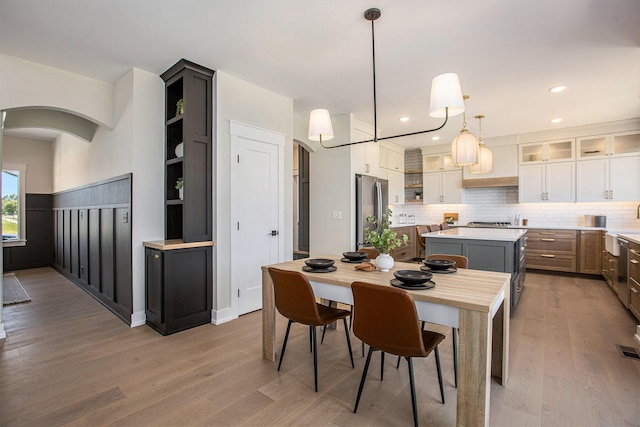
{"x": 13, "y": 204}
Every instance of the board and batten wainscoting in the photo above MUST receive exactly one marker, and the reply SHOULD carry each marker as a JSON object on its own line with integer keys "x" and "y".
{"x": 38, "y": 249}
{"x": 92, "y": 241}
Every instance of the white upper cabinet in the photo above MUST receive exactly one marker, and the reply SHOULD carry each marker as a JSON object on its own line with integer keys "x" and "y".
{"x": 615, "y": 145}
{"x": 391, "y": 157}
{"x": 365, "y": 157}
{"x": 505, "y": 163}
{"x": 443, "y": 187}
{"x": 547, "y": 151}
{"x": 614, "y": 179}
{"x": 608, "y": 168}
{"x": 552, "y": 182}
{"x": 438, "y": 162}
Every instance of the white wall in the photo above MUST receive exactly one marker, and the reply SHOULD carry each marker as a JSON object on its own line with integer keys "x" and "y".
{"x": 29, "y": 84}
{"x": 246, "y": 103}
{"x": 38, "y": 157}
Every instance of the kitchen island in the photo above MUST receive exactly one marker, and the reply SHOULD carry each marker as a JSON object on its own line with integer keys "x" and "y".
{"x": 490, "y": 249}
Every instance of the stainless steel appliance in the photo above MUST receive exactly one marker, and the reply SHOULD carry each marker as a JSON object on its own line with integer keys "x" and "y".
{"x": 623, "y": 270}
{"x": 372, "y": 198}
{"x": 488, "y": 224}
{"x": 520, "y": 271}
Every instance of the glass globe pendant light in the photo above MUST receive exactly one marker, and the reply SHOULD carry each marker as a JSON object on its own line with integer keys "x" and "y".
{"x": 464, "y": 148}
{"x": 485, "y": 156}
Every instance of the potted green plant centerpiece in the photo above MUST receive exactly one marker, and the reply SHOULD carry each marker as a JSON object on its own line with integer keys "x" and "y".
{"x": 384, "y": 239}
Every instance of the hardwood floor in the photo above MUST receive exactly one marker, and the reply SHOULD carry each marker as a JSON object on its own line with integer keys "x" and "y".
{"x": 67, "y": 360}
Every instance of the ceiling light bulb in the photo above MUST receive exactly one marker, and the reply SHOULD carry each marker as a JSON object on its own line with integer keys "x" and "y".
{"x": 404, "y": 119}
{"x": 556, "y": 120}
{"x": 435, "y": 138}
{"x": 557, "y": 89}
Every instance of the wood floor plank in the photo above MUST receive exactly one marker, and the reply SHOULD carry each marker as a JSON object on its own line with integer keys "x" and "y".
{"x": 67, "y": 360}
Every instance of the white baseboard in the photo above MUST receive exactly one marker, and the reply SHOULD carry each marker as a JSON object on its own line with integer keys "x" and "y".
{"x": 3, "y": 334}
{"x": 637, "y": 335}
{"x": 138, "y": 319}
{"x": 222, "y": 316}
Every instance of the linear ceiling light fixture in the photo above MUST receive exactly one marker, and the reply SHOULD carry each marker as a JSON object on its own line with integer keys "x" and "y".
{"x": 446, "y": 101}
{"x": 485, "y": 155}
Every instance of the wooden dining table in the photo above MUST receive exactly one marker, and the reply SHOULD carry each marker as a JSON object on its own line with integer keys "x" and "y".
{"x": 475, "y": 301}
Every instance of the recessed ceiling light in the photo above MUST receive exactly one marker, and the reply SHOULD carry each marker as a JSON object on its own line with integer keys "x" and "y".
{"x": 404, "y": 119}
{"x": 435, "y": 138}
{"x": 557, "y": 89}
{"x": 556, "y": 120}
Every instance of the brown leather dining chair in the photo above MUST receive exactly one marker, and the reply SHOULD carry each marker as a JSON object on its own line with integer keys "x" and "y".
{"x": 294, "y": 299}
{"x": 385, "y": 318}
{"x": 444, "y": 225}
{"x": 435, "y": 227}
{"x": 461, "y": 262}
{"x": 371, "y": 252}
{"x": 420, "y": 230}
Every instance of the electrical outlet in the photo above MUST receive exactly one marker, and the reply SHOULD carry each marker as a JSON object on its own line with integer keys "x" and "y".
{"x": 336, "y": 215}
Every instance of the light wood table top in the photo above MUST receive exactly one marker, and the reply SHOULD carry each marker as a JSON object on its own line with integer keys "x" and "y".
{"x": 475, "y": 290}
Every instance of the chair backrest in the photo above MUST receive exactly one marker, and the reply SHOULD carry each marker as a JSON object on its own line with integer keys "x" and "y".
{"x": 444, "y": 225}
{"x": 294, "y": 297}
{"x": 420, "y": 230}
{"x": 461, "y": 261}
{"x": 386, "y": 319}
{"x": 435, "y": 227}
{"x": 371, "y": 252}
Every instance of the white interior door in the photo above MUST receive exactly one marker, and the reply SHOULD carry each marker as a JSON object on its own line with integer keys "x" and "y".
{"x": 257, "y": 212}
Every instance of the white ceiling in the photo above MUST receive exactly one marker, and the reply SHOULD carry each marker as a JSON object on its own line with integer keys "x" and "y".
{"x": 508, "y": 53}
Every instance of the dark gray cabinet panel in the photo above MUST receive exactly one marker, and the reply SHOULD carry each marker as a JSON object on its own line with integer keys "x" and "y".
{"x": 93, "y": 241}
{"x": 178, "y": 288}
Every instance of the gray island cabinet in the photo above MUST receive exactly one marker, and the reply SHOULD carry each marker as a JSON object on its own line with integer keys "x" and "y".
{"x": 490, "y": 249}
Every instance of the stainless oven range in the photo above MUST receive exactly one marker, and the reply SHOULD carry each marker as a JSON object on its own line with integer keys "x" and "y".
{"x": 488, "y": 224}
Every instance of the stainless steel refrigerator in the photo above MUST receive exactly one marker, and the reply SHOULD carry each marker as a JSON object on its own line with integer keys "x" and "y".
{"x": 372, "y": 198}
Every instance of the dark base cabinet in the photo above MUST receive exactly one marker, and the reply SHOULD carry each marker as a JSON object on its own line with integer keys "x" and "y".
{"x": 178, "y": 288}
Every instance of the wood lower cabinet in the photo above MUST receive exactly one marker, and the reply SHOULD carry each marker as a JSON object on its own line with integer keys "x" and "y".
{"x": 590, "y": 251}
{"x": 549, "y": 249}
{"x": 406, "y": 252}
{"x": 178, "y": 288}
{"x": 634, "y": 279}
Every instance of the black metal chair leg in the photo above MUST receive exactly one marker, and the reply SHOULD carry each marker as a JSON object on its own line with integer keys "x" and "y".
{"x": 422, "y": 325}
{"x": 351, "y": 317}
{"x": 324, "y": 330}
{"x": 455, "y": 355}
{"x": 364, "y": 376}
{"x": 346, "y": 332}
{"x": 315, "y": 357}
{"x": 413, "y": 392}
{"x": 437, "y": 352}
{"x": 362, "y": 349}
{"x": 398, "y": 363}
{"x": 310, "y": 340}
{"x": 284, "y": 343}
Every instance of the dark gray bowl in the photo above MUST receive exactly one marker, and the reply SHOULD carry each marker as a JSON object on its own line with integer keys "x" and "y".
{"x": 413, "y": 277}
{"x": 319, "y": 263}
{"x": 354, "y": 256}
{"x": 439, "y": 264}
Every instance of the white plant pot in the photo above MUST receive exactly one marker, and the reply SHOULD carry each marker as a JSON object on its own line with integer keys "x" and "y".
{"x": 384, "y": 262}
{"x": 180, "y": 193}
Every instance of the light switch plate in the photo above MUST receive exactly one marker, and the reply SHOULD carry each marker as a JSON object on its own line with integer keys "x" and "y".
{"x": 336, "y": 215}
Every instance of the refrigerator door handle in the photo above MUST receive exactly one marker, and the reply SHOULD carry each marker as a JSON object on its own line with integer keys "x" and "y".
{"x": 378, "y": 201}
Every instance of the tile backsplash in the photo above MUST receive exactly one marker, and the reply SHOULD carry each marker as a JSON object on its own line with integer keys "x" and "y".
{"x": 501, "y": 204}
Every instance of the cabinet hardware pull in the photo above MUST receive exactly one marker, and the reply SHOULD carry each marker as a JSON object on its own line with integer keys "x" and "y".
{"x": 547, "y": 239}
{"x": 546, "y": 233}
{"x": 156, "y": 256}
{"x": 633, "y": 261}
{"x": 633, "y": 251}
{"x": 634, "y": 290}
{"x": 547, "y": 256}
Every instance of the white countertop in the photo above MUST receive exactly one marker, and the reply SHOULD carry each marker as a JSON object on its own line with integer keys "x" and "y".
{"x": 502, "y": 234}
{"x": 633, "y": 237}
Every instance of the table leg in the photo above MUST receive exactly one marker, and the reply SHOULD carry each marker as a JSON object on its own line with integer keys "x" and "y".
{"x": 268, "y": 318}
{"x": 474, "y": 365}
